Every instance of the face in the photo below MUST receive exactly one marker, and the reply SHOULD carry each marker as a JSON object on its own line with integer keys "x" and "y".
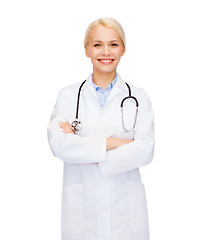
{"x": 105, "y": 49}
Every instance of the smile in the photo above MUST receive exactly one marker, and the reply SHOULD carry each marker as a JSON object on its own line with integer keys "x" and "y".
{"x": 106, "y": 61}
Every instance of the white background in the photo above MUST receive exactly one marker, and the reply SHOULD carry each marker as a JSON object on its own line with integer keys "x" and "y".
{"x": 170, "y": 53}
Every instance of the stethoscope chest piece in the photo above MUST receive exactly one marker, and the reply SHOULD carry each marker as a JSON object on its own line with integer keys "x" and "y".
{"x": 76, "y": 125}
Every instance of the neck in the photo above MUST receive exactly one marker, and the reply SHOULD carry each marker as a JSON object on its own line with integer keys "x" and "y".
{"x": 103, "y": 79}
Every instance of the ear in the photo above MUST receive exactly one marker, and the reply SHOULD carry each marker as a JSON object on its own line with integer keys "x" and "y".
{"x": 123, "y": 51}
{"x": 87, "y": 51}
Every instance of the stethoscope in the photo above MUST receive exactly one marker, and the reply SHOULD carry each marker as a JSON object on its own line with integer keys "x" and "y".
{"x": 76, "y": 124}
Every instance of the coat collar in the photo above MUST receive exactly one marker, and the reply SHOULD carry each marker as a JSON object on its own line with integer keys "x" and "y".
{"x": 119, "y": 85}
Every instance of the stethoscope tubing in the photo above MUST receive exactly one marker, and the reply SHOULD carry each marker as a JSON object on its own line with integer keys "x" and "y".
{"x": 79, "y": 91}
{"x": 76, "y": 122}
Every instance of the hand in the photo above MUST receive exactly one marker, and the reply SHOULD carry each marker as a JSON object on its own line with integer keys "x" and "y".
{"x": 67, "y": 128}
{"x": 113, "y": 142}
{"x": 122, "y": 141}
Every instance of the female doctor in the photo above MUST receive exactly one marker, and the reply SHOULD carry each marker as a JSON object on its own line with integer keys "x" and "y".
{"x": 103, "y": 197}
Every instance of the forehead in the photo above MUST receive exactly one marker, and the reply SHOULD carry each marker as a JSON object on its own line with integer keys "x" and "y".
{"x": 102, "y": 33}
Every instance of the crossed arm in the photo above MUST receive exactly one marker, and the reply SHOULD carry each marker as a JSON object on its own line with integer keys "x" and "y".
{"x": 111, "y": 142}
{"x": 119, "y": 156}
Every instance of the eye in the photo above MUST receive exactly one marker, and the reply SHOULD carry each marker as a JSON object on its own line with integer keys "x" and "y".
{"x": 114, "y": 44}
{"x": 97, "y": 45}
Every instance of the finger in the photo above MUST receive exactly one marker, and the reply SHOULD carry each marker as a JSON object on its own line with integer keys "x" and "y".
{"x": 67, "y": 129}
{"x": 61, "y": 123}
{"x": 67, "y": 124}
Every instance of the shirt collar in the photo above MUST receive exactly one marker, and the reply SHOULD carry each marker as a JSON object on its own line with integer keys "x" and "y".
{"x": 110, "y": 85}
{"x": 119, "y": 83}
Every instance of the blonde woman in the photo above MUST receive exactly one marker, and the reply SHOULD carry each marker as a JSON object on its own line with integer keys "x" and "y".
{"x": 103, "y": 145}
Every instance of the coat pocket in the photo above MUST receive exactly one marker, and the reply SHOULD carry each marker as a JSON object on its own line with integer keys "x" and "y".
{"x": 72, "y": 209}
{"x": 137, "y": 206}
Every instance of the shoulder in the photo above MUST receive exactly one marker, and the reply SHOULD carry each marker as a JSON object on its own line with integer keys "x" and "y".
{"x": 138, "y": 92}
{"x": 135, "y": 90}
{"x": 69, "y": 90}
{"x": 71, "y": 87}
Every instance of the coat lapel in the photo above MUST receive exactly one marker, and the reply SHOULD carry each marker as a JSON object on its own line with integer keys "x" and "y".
{"x": 88, "y": 85}
{"x": 119, "y": 86}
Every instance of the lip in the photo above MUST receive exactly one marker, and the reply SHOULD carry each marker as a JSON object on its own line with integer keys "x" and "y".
{"x": 106, "y": 63}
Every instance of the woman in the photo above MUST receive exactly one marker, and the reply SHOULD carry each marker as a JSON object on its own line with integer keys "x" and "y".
{"x": 103, "y": 197}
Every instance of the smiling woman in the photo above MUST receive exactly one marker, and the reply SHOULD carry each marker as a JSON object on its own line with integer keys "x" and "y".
{"x": 103, "y": 196}
{"x": 104, "y": 46}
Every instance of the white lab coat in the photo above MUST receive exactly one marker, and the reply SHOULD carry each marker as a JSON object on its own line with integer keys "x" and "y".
{"x": 104, "y": 201}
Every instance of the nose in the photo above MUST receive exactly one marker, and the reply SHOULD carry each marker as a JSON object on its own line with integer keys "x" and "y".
{"x": 106, "y": 50}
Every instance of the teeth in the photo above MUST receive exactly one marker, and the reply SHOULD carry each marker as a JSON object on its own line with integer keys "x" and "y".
{"x": 106, "y": 61}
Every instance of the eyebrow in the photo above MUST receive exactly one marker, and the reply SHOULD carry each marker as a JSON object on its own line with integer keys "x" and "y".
{"x": 110, "y": 41}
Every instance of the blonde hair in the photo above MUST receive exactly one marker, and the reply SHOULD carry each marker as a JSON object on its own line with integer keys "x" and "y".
{"x": 106, "y": 22}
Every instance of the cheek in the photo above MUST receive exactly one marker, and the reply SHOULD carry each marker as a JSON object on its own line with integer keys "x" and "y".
{"x": 118, "y": 53}
{"x": 95, "y": 54}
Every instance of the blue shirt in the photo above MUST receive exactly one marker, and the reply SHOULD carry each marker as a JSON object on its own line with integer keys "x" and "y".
{"x": 103, "y": 96}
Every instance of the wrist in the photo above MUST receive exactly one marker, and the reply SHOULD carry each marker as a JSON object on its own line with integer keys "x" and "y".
{"x": 112, "y": 143}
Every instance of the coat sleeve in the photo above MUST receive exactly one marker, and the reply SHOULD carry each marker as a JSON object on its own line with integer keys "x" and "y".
{"x": 137, "y": 153}
{"x": 71, "y": 148}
